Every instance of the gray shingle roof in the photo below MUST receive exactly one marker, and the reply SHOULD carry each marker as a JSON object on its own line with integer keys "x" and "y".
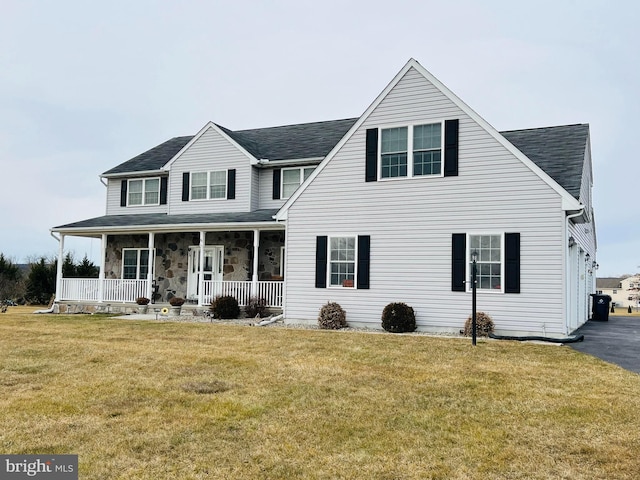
{"x": 559, "y": 151}
{"x": 152, "y": 159}
{"x": 162, "y": 219}
{"x": 307, "y": 140}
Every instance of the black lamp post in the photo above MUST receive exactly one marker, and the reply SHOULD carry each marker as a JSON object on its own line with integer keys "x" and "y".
{"x": 474, "y": 282}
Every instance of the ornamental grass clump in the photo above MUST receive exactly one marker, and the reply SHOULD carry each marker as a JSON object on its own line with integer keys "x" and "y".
{"x": 225, "y": 307}
{"x": 256, "y": 307}
{"x": 332, "y": 317}
{"x": 484, "y": 325}
{"x": 398, "y": 317}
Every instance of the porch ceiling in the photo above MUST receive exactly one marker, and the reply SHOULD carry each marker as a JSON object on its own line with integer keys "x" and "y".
{"x": 262, "y": 219}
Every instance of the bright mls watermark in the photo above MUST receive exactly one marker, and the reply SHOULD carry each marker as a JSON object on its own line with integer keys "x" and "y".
{"x": 49, "y": 467}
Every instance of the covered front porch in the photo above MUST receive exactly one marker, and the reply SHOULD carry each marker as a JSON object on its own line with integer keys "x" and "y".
{"x": 160, "y": 262}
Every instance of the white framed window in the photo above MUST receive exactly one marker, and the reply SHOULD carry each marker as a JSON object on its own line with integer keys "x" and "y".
{"x": 489, "y": 249}
{"x": 135, "y": 263}
{"x": 342, "y": 261}
{"x": 144, "y": 191}
{"x": 411, "y": 151}
{"x": 292, "y": 178}
{"x": 208, "y": 185}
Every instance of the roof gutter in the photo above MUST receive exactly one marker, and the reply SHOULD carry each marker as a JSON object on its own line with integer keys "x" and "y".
{"x": 169, "y": 228}
{"x": 142, "y": 173}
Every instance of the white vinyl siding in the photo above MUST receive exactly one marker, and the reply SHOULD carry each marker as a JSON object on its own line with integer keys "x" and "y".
{"x": 411, "y": 227}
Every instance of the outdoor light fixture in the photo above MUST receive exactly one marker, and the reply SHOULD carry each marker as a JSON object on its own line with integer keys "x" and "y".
{"x": 474, "y": 275}
{"x": 572, "y": 241}
{"x": 587, "y": 257}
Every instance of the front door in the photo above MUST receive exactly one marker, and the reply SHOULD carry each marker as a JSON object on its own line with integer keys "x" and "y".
{"x": 211, "y": 268}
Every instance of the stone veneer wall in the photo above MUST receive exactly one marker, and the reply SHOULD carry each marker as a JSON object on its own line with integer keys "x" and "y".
{"x": 271, "y": 244}
{"x": 172, "y": 256}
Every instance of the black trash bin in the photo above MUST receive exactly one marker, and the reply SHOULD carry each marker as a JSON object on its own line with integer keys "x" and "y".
{"x": 600, "y": 307}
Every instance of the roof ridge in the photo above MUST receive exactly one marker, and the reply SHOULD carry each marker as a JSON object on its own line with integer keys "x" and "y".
{"x": 545, "y": 128}
{"x": 295, "y": 125}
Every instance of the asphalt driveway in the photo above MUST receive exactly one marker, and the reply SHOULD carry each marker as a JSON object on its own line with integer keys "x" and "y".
{"x": 616, "y": 341}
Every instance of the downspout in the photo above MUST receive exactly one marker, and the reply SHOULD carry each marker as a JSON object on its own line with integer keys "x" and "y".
{"x": 567, "y": 270}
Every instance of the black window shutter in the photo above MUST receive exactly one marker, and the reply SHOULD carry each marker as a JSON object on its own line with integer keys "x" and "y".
{"x": 512, "y": 263}
{"x": 123, "y": 193}
{"x": 276, "y": 184}
{"x": 231, "y": 184}
{"x": 321, "y": 262}
{"x": 458, "y": 261}
{"x": 451, "y": 148}
{"x": 364, "y": 243}
{"x": 185, "y": 186}
{"x": 163, "y": 191}
{"x": 371, "y": 163}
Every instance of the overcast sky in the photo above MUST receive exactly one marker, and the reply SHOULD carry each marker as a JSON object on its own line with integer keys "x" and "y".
{"x": 87, "y": 85}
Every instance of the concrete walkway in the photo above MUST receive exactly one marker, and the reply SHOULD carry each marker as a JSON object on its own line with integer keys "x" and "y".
{"x": 616, "y": 341}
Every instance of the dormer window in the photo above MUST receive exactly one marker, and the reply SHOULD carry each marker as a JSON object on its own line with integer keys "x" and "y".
{"x": 145, "y": 191}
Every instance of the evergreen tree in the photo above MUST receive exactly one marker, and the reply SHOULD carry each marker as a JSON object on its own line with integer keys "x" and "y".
{"x": 87, "y": 269}
{"x": 10, "y": 276}
{"x": 41, "y": 283}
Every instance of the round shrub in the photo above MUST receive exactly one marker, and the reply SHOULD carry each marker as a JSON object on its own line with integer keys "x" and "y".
{"x": 398, "y": 318}
{"x": 484, "y": 325}
{"x": 332, "y": 317}
{"x": 225, "y": 307}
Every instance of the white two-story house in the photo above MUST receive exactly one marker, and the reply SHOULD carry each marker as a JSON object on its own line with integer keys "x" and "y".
{"x": 388, "y": 206}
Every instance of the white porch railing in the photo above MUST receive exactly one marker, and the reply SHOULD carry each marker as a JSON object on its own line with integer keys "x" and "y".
{"x": 270, "y": 291}
{"x": 126, "y": 291}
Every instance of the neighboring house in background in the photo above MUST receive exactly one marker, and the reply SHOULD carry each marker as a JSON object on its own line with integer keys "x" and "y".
{"x": 624, "y": 291}
{"x": 385, "y": 207}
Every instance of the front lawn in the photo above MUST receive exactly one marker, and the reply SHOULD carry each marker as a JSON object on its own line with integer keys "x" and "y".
{"x": 161, "y": 400}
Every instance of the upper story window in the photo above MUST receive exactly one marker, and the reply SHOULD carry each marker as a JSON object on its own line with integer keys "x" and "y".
{"x": 414, "y": 150}
{"x": 489, "y": 260}
{"x": 208, "y": 185}
{"x": 145, "y": 191}
{"x": 292, "y": 178}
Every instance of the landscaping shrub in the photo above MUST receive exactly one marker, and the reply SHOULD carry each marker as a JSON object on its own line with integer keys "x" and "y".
{"x": 176, "y": 301}
{"x": 256, "y": 307}
{"x": 484, "y": 325}
{"x": 398, "y": 318}
{"x": 225, "y": 307}
{"x": 332, "y": 317}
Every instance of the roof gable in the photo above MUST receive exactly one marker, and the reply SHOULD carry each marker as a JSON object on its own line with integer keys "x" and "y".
{"x": 289, "y": 142}
{"x": 568, "y": 201}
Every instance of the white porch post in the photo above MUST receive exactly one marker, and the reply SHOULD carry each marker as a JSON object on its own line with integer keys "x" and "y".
{"x": 256, "y": 249}
{"x": 152, "y": 263}
{"x": 200, "y": 267}
{"x": 59, "y": 267}
{"x": 103, "y": 255}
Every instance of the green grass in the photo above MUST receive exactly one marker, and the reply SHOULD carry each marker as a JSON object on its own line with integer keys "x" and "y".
{"x": 155, "y": 400}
